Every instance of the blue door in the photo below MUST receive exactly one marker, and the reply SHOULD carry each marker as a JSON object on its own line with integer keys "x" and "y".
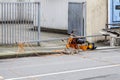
{"x": 75, "y": 19}
{"x": 116, "y": 10}
{"x": 114, "y": 13}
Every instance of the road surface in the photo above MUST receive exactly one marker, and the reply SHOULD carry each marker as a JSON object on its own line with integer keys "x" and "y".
{"x": 90, "y": 65}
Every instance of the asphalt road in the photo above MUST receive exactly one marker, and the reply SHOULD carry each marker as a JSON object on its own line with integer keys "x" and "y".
{"x": 90, "y": 65}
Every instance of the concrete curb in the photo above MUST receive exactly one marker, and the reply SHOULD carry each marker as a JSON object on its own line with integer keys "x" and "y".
{"x": 40, "y": 53}
{"x": 26, "y": 54}
{"x": 105, "y": 48}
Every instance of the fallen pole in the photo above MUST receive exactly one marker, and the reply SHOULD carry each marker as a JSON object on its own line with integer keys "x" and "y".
{"x": 63, "y": 38}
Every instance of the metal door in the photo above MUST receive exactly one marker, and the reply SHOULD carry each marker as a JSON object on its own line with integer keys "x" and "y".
{"x": 75, "y": 19}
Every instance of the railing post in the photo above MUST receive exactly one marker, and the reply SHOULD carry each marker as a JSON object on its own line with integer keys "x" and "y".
{"x": 112, "y": 42}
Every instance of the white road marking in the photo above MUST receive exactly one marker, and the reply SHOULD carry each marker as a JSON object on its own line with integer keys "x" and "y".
{"x": 65, "y": 72}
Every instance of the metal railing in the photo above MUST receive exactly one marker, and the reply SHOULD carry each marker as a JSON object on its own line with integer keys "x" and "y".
{"x": 19, "y": 21}
{"x": 62, "y": 38}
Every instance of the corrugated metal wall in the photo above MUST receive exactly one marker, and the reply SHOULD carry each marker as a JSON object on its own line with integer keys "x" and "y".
{"x": 18, "y": 20}
{"x": 19, "y": 8}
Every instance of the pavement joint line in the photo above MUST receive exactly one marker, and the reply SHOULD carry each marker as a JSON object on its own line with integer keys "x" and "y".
{"x": 65, "y": 72}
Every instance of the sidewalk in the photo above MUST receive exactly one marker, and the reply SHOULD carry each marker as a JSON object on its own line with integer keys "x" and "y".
{"x": 51, "y": 47}
{"x": 45, "y": 48}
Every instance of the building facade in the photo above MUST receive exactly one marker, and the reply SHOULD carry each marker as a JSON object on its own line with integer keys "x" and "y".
{"x": 55, "y": 14}
{"x": 85, "y": 17}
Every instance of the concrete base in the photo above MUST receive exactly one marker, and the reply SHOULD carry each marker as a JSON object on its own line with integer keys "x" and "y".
{"x": 45, "y": 29}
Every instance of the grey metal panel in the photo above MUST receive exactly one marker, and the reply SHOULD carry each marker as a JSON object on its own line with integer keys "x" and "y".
{"x": 75, "y": 19}
{"x": 84, "y": 17}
